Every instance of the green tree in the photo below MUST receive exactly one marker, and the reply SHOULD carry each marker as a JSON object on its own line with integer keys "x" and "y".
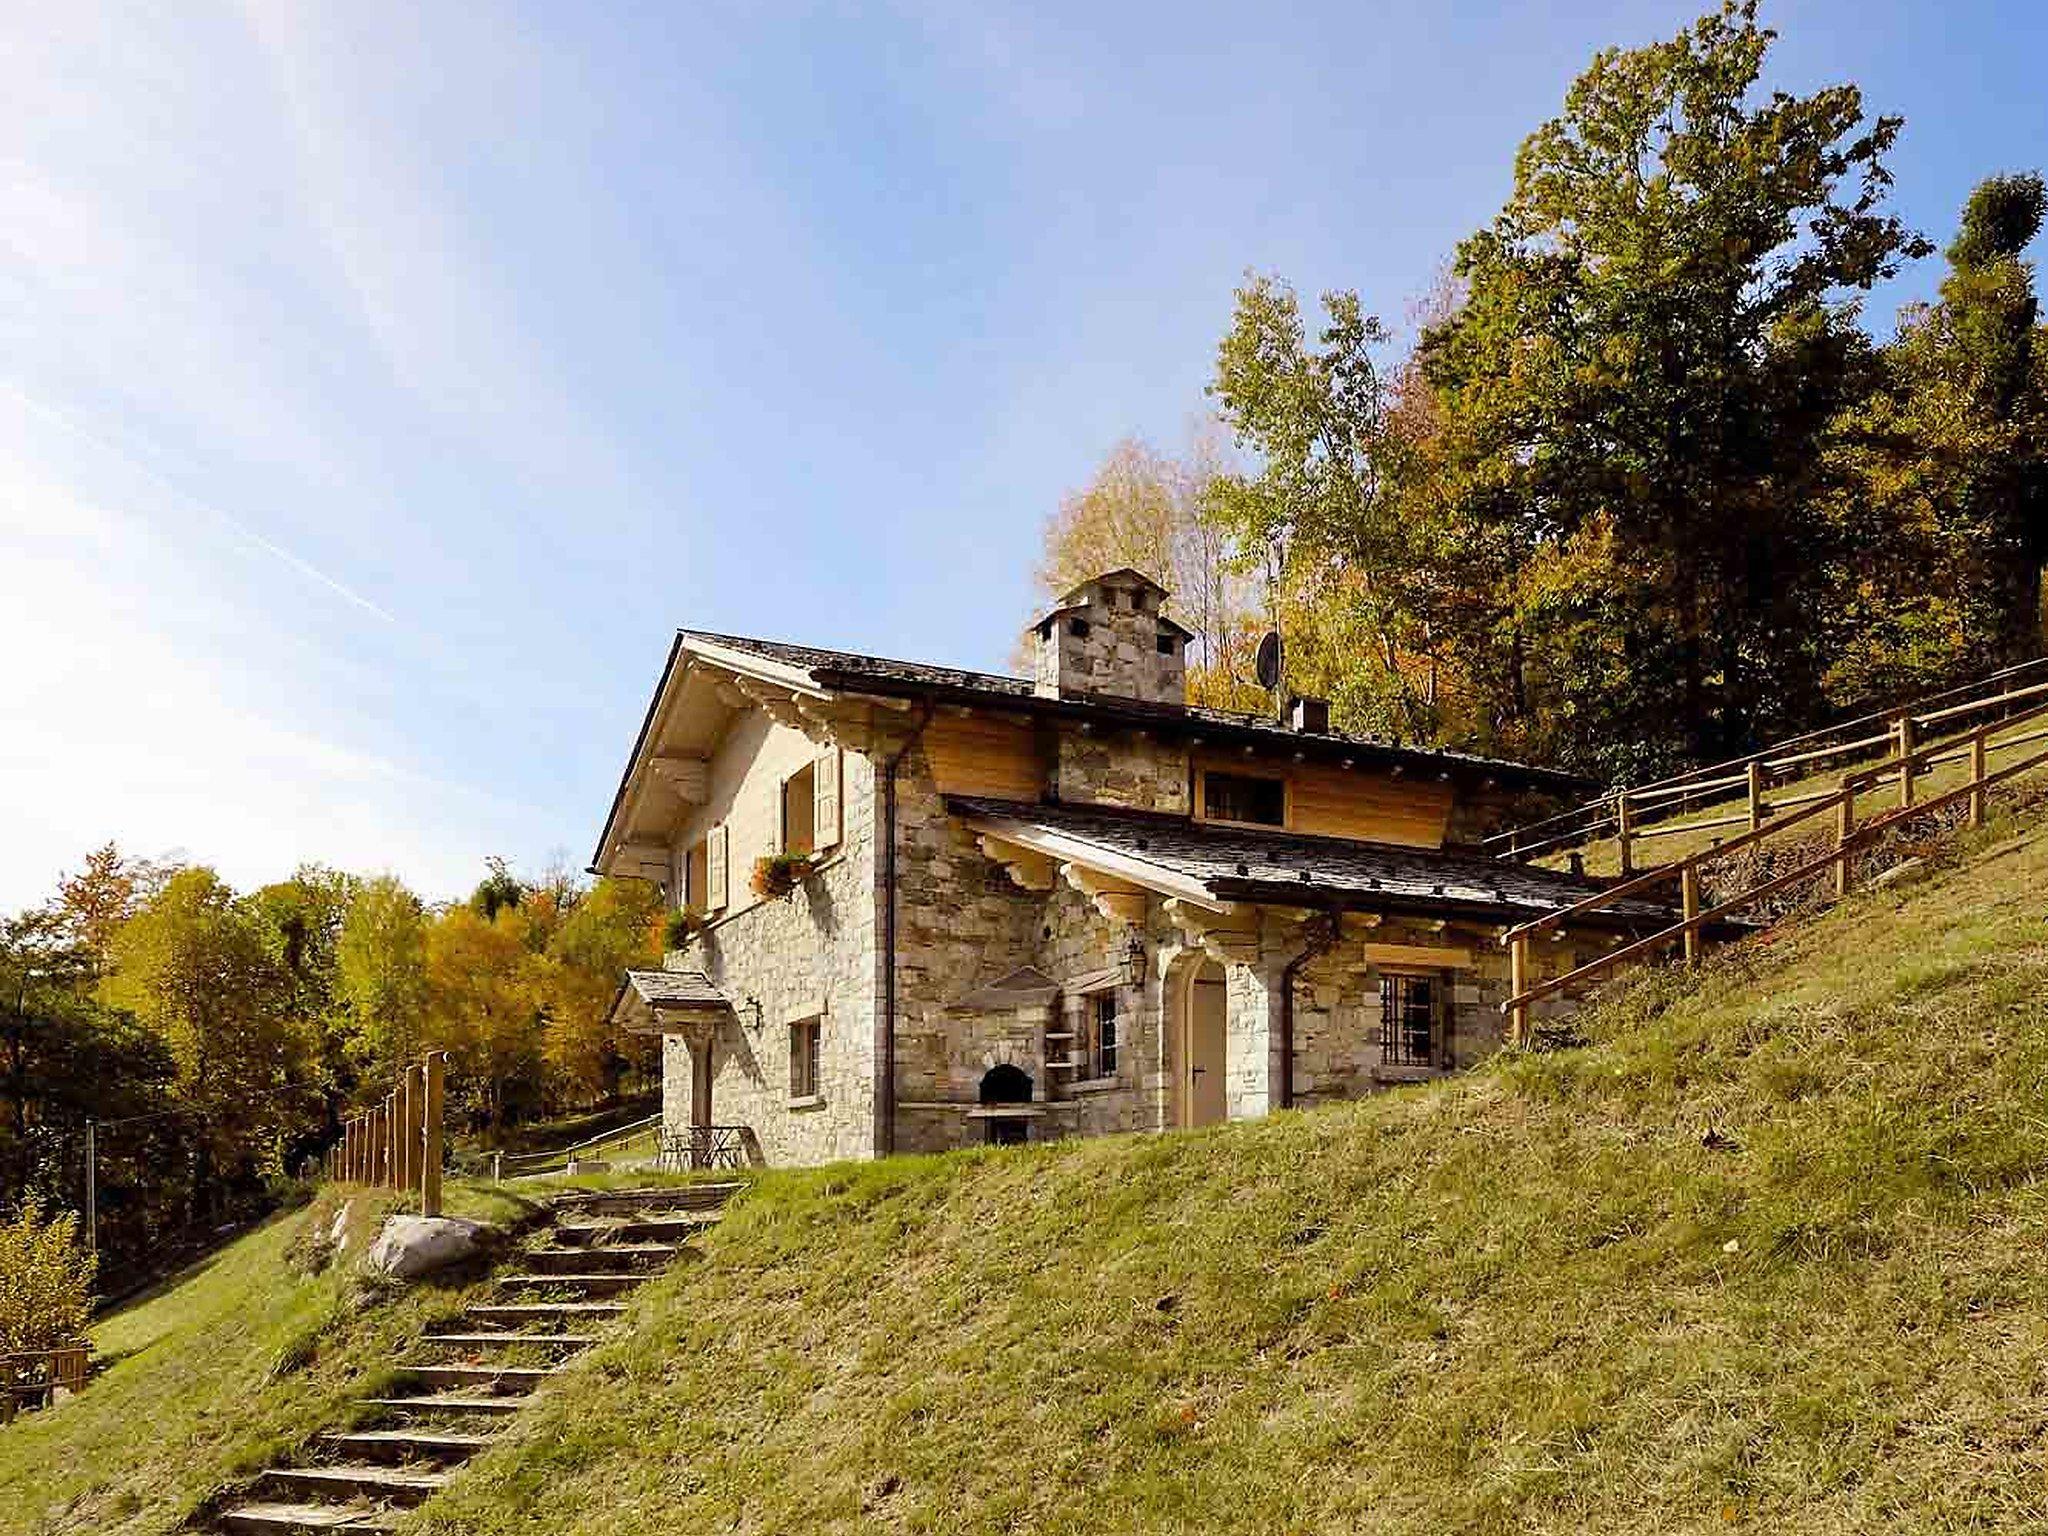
{"x": 381, "y": 966}
{"x": 200, "y": 970}
{"x": 46, "y": 1279}
{"x": 1642, "y": 386}
{"x": 608, "y": 929}
{"x": 1952, "y": 458}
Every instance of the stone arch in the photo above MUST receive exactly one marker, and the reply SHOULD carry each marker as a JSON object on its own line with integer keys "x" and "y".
{"x": 1005, "y": 1083}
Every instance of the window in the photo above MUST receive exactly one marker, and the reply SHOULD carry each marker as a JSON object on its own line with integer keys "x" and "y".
{"x": 1244, "y": 797}
{"x": 803, "y": 1059}
{"x": 1165, "y": 642}
{"x": 1408, "y": 1008}
{"x": 799, "y": 801}
{"x": 696, "y": 892}
{"x": 1102, "y": 1039}
{"x": 1078, "y": 628}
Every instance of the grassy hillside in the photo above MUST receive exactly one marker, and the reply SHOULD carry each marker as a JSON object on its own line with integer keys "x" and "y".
{"x": 230, "y": 1363}
{"x": 1770, "y": 1253}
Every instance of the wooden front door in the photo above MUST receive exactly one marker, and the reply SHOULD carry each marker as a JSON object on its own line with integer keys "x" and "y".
{"x": 1202, "y": 1096}
{"x": 700, "y": 1083}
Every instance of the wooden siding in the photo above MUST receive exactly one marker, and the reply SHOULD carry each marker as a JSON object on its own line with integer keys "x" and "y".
{"x": 1328, "y": 801}
{"x": 985, "y": 755}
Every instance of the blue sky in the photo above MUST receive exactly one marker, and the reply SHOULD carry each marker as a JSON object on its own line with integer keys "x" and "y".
{"x": 382, "y": 384}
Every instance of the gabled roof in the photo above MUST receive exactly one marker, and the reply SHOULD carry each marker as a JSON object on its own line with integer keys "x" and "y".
{"x": 852, "y": 671}
{"x": 651, "y": 1002}
{"x": 1233, "y": 864}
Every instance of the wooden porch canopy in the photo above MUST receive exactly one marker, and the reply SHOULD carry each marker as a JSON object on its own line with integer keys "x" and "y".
{"x": 669, "y": 1002}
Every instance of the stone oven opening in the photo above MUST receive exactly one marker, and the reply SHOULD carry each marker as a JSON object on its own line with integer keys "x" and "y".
{"x": 1003, "y": 1085}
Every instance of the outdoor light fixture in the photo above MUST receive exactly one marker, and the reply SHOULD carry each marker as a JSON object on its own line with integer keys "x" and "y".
{"x": 1134, "y": 958}
{"x": 754, "y": 1003}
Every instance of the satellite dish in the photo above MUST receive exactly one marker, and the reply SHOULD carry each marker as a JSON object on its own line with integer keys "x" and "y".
{"x": 1269, "y": 660}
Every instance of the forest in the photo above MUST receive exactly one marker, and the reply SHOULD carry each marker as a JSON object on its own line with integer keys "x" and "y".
{"x": 1637, "y": 484}
{"x": 215, "y": 1038}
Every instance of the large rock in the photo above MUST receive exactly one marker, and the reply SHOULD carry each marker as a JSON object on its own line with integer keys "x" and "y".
{"x": 412, "y": 1246}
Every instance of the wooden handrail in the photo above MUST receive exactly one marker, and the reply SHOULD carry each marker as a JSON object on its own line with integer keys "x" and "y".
{"x": 1695, "y": 922}
{"x": 1680, "y": 787}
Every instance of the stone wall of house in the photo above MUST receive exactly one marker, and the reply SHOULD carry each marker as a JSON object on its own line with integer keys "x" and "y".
{"x": 811, "y": 954}
{"x": 1133, "y": 769}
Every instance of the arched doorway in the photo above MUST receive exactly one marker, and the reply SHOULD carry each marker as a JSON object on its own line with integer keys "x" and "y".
{"x": 1004, "y": 1084}
{"x": 1203, "y": 1047}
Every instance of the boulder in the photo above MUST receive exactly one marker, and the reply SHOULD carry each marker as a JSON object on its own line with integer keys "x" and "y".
{"x": 412, "y": 1246}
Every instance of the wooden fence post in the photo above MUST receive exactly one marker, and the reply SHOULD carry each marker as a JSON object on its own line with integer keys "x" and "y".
{"x": 1978, "y": 739}
{"x": 412, "y": 1127}
{"x": 1845, "y": 825}
{"x": 1689, "y": 906}
{"x": 348, "y": 1150}
{"x": 1756, "y": 793}
{"x": 1623, "y": 826}
{"x": 1906, "y": 735}
{"x": 1518, "y": 983}
{"x": 430, "y": 1150}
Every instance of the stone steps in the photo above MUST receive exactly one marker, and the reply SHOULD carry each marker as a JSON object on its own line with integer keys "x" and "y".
{"x": 676, "y": 1228}
{"x": 622, "y": 1257}
{"x": 632, "y": 1202}
{"x": 279, "y": 1519}
{"x": 406, "y": 1444}
{"x": 390, "y": 1485}
{"x": 383, "y": 1471}
{"x": 515, "y": 1379}
{"x": 546, "y": 1311}
{"x": 454, "y": 1404}
{"x": 589, "y": 1284}
{"x": 505, "y": 1340}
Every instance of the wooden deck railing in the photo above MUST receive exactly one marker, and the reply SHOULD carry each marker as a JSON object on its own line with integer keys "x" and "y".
{"x": 1638, "y": 812}
{"x": 522, "y": 1164}
{"x": 1695, "y": 922}
{"x": 396, "y": 1144}
{"x": 704, "y": 1146}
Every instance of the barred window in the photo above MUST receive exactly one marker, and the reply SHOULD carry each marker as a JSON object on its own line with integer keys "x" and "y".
{"x": 1408, "y": 1020}
{"x": 1102, "y": 1038}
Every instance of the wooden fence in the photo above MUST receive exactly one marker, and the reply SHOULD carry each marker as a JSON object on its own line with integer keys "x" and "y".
{"x": 396, "y": 1144}
{"x": 32, "y": 1378}
{"x": 1635, "y": 813}
{"x": 1694, "y": 922}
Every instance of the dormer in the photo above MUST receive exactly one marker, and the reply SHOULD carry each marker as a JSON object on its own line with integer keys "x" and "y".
{"x": 1110, "y": 637}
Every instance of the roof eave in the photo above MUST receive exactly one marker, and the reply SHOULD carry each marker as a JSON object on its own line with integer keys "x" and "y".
{"x": 1142, "y": 717}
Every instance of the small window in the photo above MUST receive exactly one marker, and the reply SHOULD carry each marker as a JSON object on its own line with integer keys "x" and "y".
{"x": 1165, "y": 642}
{"x": 1408, "y": 1020}
{"x": 803, "y": 1059}
{"x": 799, "y": 810}
{"x": 1102, "y": 1037}
{"x": 696, "y": 891}
{"x": 1078, "y": 628}
{"x": 1244, "y": 797}
{"x": 1045, "y": 630}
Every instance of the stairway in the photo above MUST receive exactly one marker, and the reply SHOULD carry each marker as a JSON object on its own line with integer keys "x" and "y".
{"x": 558, "y": 1297}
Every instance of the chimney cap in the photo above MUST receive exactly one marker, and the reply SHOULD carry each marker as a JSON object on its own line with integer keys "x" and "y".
{"x": 1309, "y": 715}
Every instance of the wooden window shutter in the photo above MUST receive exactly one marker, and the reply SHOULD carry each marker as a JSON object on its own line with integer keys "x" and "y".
{"x": 825, "y": 798}
{"x": 714, "y": 868}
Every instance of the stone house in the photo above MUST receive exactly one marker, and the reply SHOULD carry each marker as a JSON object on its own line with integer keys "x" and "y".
{"x": 1060, "y": 905}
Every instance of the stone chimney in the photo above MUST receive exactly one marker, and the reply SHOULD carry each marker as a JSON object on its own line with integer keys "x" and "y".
{"x": 1108, "y": 638}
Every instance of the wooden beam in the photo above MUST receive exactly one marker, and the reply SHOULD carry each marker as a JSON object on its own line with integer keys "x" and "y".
{"x": 1033, "y": 870}
{"x": 688, "y": 778}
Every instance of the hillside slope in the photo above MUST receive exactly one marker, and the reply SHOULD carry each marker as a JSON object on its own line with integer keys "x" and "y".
{"x": 1770, "y": 1253}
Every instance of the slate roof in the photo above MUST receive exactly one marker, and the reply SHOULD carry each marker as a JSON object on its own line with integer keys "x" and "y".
{"x": 676, "y": 989}
{"x": 849, "y": 670}
{"x": 1240, "y": 864}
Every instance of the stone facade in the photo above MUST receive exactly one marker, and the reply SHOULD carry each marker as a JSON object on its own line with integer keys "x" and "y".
{"x": 811, "y": 955}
